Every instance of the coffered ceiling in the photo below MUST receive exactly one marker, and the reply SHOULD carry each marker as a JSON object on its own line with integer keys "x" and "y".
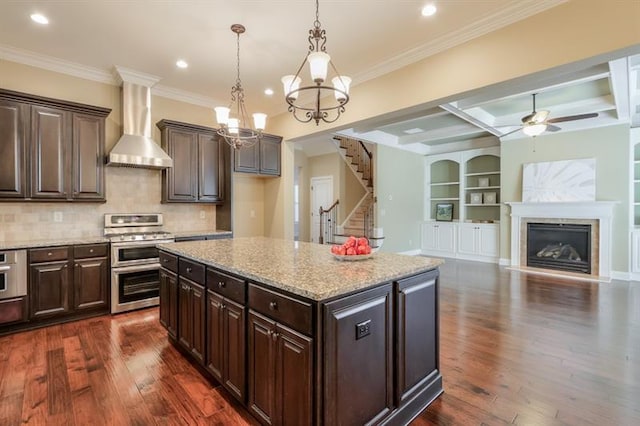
{"x": 366, "y": 38}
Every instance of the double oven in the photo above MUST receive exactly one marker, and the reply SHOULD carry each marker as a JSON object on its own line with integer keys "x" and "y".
{"x": 135, "y": 263}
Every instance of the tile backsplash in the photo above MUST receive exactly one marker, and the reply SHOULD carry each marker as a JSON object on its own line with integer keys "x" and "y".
{"x": 129, "y": 190}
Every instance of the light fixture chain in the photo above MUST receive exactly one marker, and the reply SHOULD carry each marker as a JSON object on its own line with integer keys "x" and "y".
{"x": 238, "y": 59}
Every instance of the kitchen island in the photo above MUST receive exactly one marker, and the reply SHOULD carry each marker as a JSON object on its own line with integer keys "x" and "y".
{"x": 300, "y": 337}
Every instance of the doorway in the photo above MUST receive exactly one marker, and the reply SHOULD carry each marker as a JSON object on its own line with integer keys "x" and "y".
{"x": 321, "y": 196}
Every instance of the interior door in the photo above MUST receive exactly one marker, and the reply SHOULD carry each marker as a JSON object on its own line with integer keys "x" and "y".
{"x": 321, "y": 196}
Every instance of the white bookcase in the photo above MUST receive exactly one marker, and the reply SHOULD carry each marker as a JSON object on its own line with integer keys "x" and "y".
{"x": 470, "y": 181}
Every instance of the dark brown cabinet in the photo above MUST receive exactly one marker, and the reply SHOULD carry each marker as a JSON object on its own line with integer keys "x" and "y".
{"x": 262, "y": 158}
{"x": 198, "y": 172}
{"x": 191, "y": 318}
{"x": 169, "y": 302}
{"x": 55, "y": 291}
{"x": 358, "y": 357}
{"x": 64, "y": 142}
{"x": 226, "y": 337}
{"x": 14, "y": 119}
{"x": 280, "y": 372}
{"x": 417, "y": 328}
{"x": 90, "y": 283}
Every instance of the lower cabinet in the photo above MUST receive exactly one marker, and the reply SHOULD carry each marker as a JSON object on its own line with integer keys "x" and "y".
{"x": 55, "y": 291}
{"x": 280, "y": 372}
{"x": 358, "y": 358}
{"x": 416, "y": 333}
{"x": 191, "y": 321}
{"x": 439, "y": 238}
{"x": 226, "y": 348}
{"x": 169, "y": 302}
{"x": 471, "y": 241}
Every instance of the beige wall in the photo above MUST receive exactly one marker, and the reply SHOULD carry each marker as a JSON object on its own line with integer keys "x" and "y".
{"x": 302, "y": 162}
{"x": 608, "y": 145}
{"x": 127, "y": 189}
{"x": 248, "y": 205}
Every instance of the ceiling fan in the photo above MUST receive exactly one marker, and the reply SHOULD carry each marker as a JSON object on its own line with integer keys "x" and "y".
{"x": 536, "y": 123}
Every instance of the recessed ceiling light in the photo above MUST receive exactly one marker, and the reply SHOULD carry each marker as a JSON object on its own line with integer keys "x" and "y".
{"x": 39, "y": 18}
{"x": 268, "y": 92}
{"x": 413, "y": 131}
{"x": 182, "y": 64}
{"x": 429, "y": 10}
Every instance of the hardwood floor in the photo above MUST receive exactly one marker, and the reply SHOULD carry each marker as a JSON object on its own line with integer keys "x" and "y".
{"x": 515, "y": 348}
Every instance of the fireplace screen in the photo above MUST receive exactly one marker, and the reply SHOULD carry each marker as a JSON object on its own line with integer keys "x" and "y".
{"x": 561, "y": 246}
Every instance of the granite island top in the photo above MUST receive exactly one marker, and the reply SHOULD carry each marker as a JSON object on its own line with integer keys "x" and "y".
{"x": 305, "y": 269}
{"x": 186, "y": 234}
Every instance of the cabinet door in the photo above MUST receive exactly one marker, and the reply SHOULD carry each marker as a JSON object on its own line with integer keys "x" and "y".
{"x": 446, "y": 237}
{"x": 417, "y": 333}
{"x": 49, "y": 289}
{"x": 185, "y": 317}
{"x": 182, "y": 179}
{"x": 262, "y": 374}
{"x": 14, "y": 117}
{"x": 294, "y": 370}
{"x": 210, "y": 169}
{"x": 270, "y": 155}
{"x": 90, "y": 283}
{"x": 50, "y": 165}
{"x": 488, "y": 240}
{"x": 235, "y": 348}
{"x": 169, "y": 301}
{"x": 198, "y": 307}
{"x": 215, "y": 334}
{"x": 246, "y": 159}
{"x": 88, "y": 157}
{"x": 467, "y": 235}
{"x": 358, "y": 358}
{"x": 429, "y": 236}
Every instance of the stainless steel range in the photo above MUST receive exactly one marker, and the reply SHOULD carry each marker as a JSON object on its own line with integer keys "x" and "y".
{"x": 135, "y": 266}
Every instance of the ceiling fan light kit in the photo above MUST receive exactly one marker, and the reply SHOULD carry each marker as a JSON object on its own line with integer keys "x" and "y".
{"x": 314, "y": 102}
{"x": 236, "y": 130}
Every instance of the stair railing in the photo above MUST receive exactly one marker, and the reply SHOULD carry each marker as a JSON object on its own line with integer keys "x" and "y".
{"x": 369, "y": 219}
{"x": 328, "y": 223}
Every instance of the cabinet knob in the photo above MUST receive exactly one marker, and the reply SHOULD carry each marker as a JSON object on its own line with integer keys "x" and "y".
{"x": 223, "y": 306}
{"x": 65, "y": 266}
{"x": 49, "y": 254}
{"x": 165, "y": 260}
{"x": 221, "y": 284}
{"x": 76, "y": 265}
{"x": 273, "y": 306}
{"x": 90, "y": 250}
{"x": 274, "y": 336}
{"x": 185, "y": 286}
{"x": 189, "y": 269}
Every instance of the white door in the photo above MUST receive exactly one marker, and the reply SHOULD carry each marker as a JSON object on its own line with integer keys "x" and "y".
{"x": 321, "y": 196}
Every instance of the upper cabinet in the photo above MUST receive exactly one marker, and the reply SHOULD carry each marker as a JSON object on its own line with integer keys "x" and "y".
{"x": 50, "y": 149}
{"x": 198, "y": 172}
{"x": 262, "y": 158}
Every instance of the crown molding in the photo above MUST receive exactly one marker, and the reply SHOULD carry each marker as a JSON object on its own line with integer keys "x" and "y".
{"x": 57, "y": 65}
{"x": 514, "y": 12}
{"x": 184, "y": 96}
{"x": 123, "y": 74}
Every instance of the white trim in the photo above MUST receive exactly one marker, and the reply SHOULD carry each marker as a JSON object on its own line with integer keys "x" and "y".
{"x": 504, "y": 261}
{"x": 602, "y": 211}
{"x": 624, "y": 276}
{"x": 184, "y": 96}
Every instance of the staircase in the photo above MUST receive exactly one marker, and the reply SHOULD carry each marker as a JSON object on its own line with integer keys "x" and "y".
{"x": 360, "y": 221}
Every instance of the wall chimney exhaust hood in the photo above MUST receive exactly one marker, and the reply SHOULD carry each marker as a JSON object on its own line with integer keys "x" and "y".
{"x": 135, "y": 148}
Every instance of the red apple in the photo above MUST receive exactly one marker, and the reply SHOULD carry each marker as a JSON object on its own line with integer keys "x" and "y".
{"x": 362, "y": 241}
{"x": 351, "y": 251}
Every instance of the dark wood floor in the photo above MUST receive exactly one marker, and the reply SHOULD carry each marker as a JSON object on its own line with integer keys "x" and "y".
{"x": 515, "y": 348}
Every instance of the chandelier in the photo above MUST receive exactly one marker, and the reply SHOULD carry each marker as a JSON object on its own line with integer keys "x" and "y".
{"x": 233, "y": 121}
{"x": 318, "y": 101}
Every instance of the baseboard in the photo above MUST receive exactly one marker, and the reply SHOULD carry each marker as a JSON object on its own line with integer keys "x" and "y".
{"x": 504, "y": 262}
{"x": 625, "y": 276}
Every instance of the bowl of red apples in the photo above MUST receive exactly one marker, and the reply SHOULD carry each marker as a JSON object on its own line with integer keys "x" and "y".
{"x": 352, "y": 249}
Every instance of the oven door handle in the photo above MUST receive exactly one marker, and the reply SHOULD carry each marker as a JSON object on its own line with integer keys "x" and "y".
{"x": 136, "y": 268}
{"x": 5, "y": 268}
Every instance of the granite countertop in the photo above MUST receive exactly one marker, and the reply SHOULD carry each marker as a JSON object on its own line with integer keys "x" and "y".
{"x": 306, "y": 269}
{"x": 26, "y": 244}
{"x": 186, "y": 234}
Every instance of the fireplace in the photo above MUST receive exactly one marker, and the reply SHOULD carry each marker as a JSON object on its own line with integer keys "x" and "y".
{"x": 560, "y": 246}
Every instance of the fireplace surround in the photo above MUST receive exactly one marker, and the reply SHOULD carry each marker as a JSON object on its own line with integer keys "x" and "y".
{"x": 597, "y": 214}
{"x": 561, "y": 246}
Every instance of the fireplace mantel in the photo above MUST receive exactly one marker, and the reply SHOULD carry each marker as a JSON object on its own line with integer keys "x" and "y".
{"x": 602, "y": 211}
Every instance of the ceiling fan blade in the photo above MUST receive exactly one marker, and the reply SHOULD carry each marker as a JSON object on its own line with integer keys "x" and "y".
{"x": 572, "y": 117}
{"x": 552, "y": 128}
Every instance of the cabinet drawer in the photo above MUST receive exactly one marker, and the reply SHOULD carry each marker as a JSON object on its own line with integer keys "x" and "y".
{"x": 13, "y": 310}
{"x": 169, "y": 261}
{"x": 48, "y": 254}
{"x": 90, "y": 250}
{"x": 191, "y": 270}
{"x": 292, "y": 312}
{"x": 230, "y": 287}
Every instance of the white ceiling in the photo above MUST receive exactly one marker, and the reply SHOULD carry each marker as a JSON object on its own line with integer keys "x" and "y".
{"x": 88, "y": 38}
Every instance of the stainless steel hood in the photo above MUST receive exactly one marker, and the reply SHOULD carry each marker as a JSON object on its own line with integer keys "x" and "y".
{"x": 136, "y": 148}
